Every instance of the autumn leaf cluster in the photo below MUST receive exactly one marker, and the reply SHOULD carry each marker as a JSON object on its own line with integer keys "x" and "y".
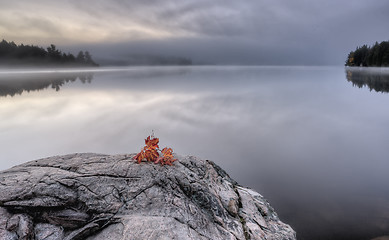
{"x": 152, "y": 153}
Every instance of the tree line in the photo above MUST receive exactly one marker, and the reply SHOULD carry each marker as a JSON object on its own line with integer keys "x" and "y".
{"x": 13, "y": 54}
{"x": 370, "y": 56}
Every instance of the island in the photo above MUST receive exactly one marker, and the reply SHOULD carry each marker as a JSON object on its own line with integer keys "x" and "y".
{"x": 12, "y": 54}
{"x": 95, "y": 196}
{"x": 369, "y": 56}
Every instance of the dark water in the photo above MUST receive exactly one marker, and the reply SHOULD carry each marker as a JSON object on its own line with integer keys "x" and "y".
{"x": 313, "y": 140}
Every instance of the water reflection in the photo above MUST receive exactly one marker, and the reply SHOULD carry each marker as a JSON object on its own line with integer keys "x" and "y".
{"x": 16, "y": 84}
{"x": 315, "y": 147}
{"x": 376, "y": 79}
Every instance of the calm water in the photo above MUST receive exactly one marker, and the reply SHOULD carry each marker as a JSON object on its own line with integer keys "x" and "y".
{"x": 313, "y": 140}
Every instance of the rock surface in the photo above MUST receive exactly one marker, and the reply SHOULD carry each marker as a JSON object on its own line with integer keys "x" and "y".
{"x": 94, "y": 196}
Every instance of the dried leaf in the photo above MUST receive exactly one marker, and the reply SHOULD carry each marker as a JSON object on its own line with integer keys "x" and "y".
{"x": 152, "y": 142}
{"x": 140, "y": 156}
{"x": 167, "y": 157}
{"x": 151, "y": 154}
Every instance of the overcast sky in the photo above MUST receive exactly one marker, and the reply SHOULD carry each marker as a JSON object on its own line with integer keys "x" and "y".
{"x": 272, "y": 32}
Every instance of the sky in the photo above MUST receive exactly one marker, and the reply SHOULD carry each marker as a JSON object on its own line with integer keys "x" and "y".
{"x": 247, "y": 32}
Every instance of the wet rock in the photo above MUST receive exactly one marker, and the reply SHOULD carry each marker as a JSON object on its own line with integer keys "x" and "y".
{"x": 92, "y": 196}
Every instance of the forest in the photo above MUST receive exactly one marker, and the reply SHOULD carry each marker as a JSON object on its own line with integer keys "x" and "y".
{"x": 12, "y": 54}
{"x": 370, "y": 56}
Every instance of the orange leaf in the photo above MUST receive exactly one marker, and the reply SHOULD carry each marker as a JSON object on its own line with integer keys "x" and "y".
{"x": 150, "y": 152}
{"x": 167, "y": 157}
{"x": 151, "y": 155}
{"x": 140, "y": 156}
{"x": 152, "y": 142}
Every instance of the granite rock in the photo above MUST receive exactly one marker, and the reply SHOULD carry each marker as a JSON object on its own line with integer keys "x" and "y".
{"x": 94, "y": 196}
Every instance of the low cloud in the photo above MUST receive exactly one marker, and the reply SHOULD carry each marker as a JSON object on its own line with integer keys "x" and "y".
{"x": 225, "y": 32}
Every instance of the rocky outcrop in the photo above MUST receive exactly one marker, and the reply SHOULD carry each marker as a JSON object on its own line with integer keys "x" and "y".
{"x": 92, "y": 196}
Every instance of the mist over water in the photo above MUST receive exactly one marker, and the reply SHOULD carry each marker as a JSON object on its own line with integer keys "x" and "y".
{"x": 314, "y": 144}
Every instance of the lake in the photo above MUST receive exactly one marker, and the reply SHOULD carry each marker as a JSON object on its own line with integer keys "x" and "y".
{"x": 313, "y": 140}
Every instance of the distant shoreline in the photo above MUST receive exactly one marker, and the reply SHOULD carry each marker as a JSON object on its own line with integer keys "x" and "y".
{"x": 33, "y": 56}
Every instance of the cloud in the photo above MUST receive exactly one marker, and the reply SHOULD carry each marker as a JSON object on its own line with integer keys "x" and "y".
{"x": 246, "y": 31}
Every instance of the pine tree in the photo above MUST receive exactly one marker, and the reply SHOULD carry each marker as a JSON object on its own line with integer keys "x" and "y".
{"x": 80, "y": 57}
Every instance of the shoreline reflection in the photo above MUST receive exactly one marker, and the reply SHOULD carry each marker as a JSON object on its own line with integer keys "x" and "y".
{"x": 12, "y": 85}
{"x": 374, "y": 80}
